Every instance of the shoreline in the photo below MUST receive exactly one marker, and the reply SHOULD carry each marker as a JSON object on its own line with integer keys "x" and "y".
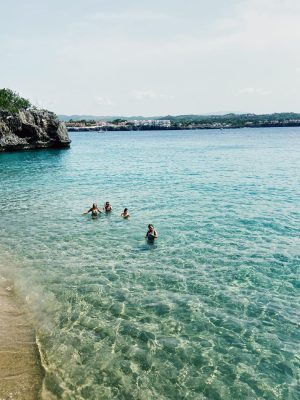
{"x": 21, "y": 371}
{"x": 173, "y": 128}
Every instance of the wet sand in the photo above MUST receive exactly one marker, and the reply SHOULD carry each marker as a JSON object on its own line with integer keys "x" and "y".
{"x": 20, "y": 370}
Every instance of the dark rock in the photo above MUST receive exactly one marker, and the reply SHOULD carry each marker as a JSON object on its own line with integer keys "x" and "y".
{"x": 31, "y": 129}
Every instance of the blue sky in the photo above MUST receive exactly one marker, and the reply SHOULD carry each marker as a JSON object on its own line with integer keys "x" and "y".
{"x": 137, "y": 57}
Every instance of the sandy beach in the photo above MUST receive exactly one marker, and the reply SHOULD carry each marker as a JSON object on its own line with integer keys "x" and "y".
{"x": 20, "y": 370}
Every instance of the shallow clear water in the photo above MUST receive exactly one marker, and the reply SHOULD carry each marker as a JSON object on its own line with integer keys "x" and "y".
{"x": 210, "y": 311}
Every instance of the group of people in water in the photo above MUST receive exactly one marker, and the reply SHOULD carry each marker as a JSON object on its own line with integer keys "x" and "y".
{"x": 151, "y": 234}
{"x": 95, "y": 210}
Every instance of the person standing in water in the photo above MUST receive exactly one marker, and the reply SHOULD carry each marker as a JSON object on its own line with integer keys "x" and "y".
{"x": 94, "y": 210}
{"x": 125, "y": 213}
{"x": 107, "y": 207}
{"x": 151, "y": 234}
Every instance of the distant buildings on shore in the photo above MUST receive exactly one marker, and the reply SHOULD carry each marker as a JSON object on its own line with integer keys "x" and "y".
{"x": 228, "y": 121}
{"x": 160, "y": 123}
{"x": 119, "y": 125}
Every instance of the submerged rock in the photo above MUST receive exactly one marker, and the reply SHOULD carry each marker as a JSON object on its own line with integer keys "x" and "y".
{"x": 31, "y": 129}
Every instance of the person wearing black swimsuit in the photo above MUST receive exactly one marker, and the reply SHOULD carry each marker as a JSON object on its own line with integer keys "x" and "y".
{"x": 151, "y": 234}
{"x": 107, "y": 207}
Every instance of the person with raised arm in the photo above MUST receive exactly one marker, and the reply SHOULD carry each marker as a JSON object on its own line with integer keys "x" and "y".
{"x": 94, "y": 210}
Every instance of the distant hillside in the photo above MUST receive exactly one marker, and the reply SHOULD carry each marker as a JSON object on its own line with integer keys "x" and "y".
{"x": 235, "y": 119}
{"x": 232, "y": 119}
{"x": 66, "y": 118}
{"x": 181, "y": 122}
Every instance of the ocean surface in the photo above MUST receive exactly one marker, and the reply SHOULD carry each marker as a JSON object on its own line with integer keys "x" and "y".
{"x": 210, "y": 311}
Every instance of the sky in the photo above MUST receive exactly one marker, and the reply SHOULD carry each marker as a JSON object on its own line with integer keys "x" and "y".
{"x": 142, "y": 57}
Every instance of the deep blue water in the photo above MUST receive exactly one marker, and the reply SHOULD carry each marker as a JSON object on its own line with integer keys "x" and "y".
{"x": 210, "y": 311}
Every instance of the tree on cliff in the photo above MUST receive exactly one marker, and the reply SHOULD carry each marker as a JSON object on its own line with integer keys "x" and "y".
{"x": 12, "y": 101}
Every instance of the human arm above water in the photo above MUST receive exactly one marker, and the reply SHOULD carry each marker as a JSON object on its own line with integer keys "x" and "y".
{"x": 88, "y": 211}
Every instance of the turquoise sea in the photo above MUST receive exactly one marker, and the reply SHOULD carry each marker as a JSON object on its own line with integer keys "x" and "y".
{"x": 210, "y": 311}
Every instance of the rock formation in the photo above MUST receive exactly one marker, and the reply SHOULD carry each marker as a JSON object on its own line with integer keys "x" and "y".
{"x": 31, "y": 129}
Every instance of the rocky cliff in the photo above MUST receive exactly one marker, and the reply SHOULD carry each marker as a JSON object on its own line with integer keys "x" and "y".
{"x": 31, "y": 129}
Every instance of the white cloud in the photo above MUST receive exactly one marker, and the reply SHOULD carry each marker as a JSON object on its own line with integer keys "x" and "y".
{"x": 254, "y": 91}
{"x": 153, "y": 58}
{"x": 136, "y": 16}
{"x": 142, "y": 95}
{"x": 103, "y": 101}
{"x": 269, "y": 24}
{"x": 255, "y": 25}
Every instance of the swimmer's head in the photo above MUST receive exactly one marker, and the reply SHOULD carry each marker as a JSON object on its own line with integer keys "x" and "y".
{"x": 150, "y": 227}
{"x": 94, "y": 205}
{"x": 125, "y": 209}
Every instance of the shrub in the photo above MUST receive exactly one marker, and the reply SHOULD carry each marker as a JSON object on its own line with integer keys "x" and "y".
{"x": 12, "y": 101}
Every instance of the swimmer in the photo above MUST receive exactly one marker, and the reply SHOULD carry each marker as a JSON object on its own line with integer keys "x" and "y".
{"x": 107, "y": 207}
{"x": 125, "y": 213}
{"x": 151, "y": 234}
{"x": 94, "y": 210}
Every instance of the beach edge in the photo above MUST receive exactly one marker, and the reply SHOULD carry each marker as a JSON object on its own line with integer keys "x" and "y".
{"x": 21, "y": 370}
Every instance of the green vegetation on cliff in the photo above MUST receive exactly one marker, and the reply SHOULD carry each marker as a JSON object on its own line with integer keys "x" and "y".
{"x": 12, "y": 101}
